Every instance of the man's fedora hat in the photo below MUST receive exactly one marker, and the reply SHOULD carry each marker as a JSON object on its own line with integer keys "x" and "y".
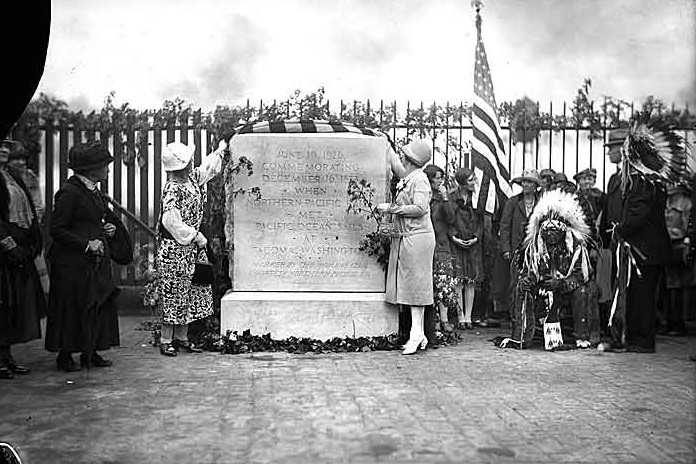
{"x": 616, "y": 137}
{"x": 589, "y": 172}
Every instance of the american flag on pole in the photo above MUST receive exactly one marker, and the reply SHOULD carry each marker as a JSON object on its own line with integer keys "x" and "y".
{"x": 489, "y": 160}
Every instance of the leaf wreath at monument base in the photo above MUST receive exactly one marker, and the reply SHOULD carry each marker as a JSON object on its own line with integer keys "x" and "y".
{"x": 234, "y": 343}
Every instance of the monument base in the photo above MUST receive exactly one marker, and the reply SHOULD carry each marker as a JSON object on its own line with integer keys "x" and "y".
{"x": 308, "y": 314}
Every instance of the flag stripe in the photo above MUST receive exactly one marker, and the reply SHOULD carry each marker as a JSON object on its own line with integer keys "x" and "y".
{"x": 305, "y": 126}
{"x": 480, "y": 112}
{"x": 495, "y": 155}
{"x": 489, "y": 165}
{"x": 488, "y": 149}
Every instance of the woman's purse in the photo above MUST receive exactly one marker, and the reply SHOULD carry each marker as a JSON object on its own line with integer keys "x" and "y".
{"x": 203, "y": 273}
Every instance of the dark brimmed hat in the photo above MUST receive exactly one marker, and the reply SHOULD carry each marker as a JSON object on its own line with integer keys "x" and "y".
{"x": 616, "y": 137}
{"x": 589, "y": 172}
{"x": 529, "y": 174}
{"x": 7, "y": 143}
{"x": 87, "y": 156}
{"x": 19, "y": 151}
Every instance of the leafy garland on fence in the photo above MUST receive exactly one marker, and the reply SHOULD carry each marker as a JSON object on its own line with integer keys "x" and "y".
{"x": 524, "y": 116}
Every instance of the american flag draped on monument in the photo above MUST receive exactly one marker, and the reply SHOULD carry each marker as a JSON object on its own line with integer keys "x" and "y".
{"x": 489, "y": 160}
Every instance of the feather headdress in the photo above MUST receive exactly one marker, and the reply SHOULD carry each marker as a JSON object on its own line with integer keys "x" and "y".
{"x": 654, "y": 150}
{"x": 562, "y": 211}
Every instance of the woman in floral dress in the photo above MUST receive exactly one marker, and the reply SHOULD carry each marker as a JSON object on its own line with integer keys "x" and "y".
{"x": 182, "y": 245}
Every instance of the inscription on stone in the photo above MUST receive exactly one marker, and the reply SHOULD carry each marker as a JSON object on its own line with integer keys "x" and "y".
{"x": 298, "y": 235}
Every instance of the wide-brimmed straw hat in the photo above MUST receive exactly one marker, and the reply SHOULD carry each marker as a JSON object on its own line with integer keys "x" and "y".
{"x": 177, "y": 155}
{"x": 528, "y": 174}
{"x": 418, "y": 152}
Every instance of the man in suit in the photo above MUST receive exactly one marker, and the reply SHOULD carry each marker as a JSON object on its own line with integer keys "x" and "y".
{"x": 634, "y": 220}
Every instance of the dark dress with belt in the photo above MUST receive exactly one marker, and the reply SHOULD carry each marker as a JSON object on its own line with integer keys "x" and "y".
{"x": 21, "y": 296}
{"x": 82, "y": 314}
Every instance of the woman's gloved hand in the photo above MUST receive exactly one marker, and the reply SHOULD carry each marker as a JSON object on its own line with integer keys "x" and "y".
{"x": 200, "y": 240}
{"x": 95, "y": 247}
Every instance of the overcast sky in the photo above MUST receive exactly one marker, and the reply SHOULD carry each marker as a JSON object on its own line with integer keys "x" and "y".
{"x": 222, "y": 52}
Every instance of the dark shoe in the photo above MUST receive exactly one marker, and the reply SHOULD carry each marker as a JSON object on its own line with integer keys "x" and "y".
{"x": 639, "y": 349}
{"x": 186, "y": 346}
{"x": 95, "y": 361}
{"x": 6, "y": 372}
{"x": 67, "y": 364}
{"x": 16, "y": 368}
{"x": 167, "y": 349}
{"x": 468, "y": 326}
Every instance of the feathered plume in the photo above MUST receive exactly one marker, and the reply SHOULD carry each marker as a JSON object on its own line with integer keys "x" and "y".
{"x": 654, "y": 150}
{"x": 565, "y": 211}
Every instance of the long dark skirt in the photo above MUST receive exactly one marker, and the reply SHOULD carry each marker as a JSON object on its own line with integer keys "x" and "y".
{"x": 75, "y": 322}
{"x": 22, "y": 303}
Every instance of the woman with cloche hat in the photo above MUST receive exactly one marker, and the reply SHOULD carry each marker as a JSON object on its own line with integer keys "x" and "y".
{"x": 21, "y": 298}
{"x": 87, "y": 235}
{"x": 181, "y": 245}
{"x": 410, "y": 273}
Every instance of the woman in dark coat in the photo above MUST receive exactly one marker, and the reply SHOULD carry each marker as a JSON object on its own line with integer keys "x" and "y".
{"x": 86, "y": 236}
{"x": 466, "y": 233}
{"x": 442, "y": 259}
{"x": 21, "y": 296}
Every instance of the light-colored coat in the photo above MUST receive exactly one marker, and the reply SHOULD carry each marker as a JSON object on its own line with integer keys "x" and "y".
{"x": 410, "y": 273}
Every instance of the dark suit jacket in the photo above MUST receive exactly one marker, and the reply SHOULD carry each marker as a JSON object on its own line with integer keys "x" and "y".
{"x": 640, "y": 218}
{"x": 513, "y": 224}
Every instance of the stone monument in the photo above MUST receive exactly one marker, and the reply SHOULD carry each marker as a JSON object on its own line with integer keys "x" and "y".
{"x": 296, "y": 266}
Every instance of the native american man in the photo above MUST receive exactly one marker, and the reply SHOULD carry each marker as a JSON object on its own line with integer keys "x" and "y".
{"x": 555, "y": 273}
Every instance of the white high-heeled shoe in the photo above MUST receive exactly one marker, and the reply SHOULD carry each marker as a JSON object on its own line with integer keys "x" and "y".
{"x": 412, "y": 346}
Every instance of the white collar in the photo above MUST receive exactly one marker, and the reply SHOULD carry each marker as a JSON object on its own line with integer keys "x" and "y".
{"x": 90, "y": 184}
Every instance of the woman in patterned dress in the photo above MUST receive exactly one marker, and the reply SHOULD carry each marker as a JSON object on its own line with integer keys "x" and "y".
{"x": 182, "y": 245}
{"x": 466, "y": 233}
{"x": 410, "y": 273}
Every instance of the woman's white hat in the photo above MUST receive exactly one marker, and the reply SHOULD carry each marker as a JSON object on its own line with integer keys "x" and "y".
{"x": 418, "y": 152}
{"x": 177, "y": 155}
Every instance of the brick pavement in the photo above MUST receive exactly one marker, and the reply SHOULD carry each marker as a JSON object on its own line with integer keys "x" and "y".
{"x": 468, "y": 403}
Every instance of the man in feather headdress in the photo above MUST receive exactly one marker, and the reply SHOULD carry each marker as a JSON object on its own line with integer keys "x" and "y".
{"x": 650, "y": 156}
{"x": 555, "y": 272}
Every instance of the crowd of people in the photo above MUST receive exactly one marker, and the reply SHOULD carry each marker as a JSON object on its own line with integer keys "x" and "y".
{"x": 580, "y": 266}
{"x": 575, "y": 266}
{"x": 86, "y": 236}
